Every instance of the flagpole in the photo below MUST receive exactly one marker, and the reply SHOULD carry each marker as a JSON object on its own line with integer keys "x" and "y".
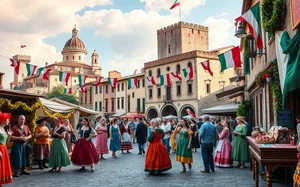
{"x": 179, "y": 11}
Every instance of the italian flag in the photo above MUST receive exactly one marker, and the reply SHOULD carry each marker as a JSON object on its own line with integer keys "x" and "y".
{"x": 30, "y": 69}
{"x": 231, "y": 58}
{"x": 83, "y": 89}
{"x": 133, "y": 83}
{"x": 68, "y": 91}
{"x": 81, "y": 80}
{"x": 43, "y": 73}
{"x": 98, "y": 80}
{"x": 175, "y": 4}
{"x": 190, "y": 113}
{"x": 151, "y": 80}
{"x": 165, "y": 80}
{"x": 176, "y": 75}
{"x": 64, "y": 77}
{"x": 288, "y": 60}
{"x": 113, "y": 82}
{"x": 16, "y": 65}
{"x": 206, "y": 67}
{"x": 188, "y": 73}
{"x": 252, "y": 18}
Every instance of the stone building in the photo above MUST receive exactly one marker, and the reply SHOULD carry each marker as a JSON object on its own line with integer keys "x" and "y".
{"x": 74, "y": 59}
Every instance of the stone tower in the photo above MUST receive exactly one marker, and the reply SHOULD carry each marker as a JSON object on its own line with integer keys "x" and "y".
{"x": 95, "y": 63}
{"x": 180, "y": 38}
{"x": 24, "y": 59}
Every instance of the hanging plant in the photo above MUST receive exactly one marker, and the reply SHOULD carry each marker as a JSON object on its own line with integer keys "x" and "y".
{"x": 275, "y": 87}
{"x": 243, "y": 109}
{"x": 272, "y": 15}
{"x": 247, "y": 52}
{"x": 260, "y": 79}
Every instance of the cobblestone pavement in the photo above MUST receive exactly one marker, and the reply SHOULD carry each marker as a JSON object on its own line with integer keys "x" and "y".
{"x": 128, "y": 170}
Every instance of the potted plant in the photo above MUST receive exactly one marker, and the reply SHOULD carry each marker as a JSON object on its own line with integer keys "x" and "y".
{"x": 268, "y": 74}
{"x": 261, "y": 79}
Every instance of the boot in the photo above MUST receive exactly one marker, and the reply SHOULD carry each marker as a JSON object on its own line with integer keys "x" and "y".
{"x": 40, "y": 164}
{"x": 44, "y": 164}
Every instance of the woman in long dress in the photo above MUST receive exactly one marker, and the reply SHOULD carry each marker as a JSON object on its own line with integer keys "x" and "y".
{"x": 59, "y": 156}
{"x": 172, "y": 136}
{"x": 69, "y": 132}
{"x": 195, "y": 130}
{"x": 125, "y": 137}
{"x": 114, "y": 137}
{"x": 223, "y": 149}
{"x": 184, "y": 153}
{"x": 42, "y": 144}
{"x": 157, "y": 157}
{"x": 240, "y": 149}
{"x": 84, "y": 153}
{"x": 5, "y": 169}
{"x": 101, "y": 138}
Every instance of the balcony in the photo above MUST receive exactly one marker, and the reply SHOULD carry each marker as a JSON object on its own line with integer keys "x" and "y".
{"x": 31, "y": 85}
{"x": 167, "y": 98}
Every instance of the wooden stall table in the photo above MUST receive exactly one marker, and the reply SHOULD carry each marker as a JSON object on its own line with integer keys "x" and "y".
{"x": 271, "y": 156}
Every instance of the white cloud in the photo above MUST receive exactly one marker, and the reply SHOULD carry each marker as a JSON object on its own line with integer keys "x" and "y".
{"x": 186, "y": 5}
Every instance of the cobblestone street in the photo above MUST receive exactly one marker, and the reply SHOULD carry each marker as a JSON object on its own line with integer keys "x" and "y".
{"x": 127, "y": 170}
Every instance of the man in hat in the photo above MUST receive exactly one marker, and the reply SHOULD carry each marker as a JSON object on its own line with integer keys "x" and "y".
{"x": 21, "y": 150}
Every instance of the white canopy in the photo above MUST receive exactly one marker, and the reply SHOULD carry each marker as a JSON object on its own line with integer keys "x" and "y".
{"x": 170, "y": 117}
{"x": 56, "y": 107}
{"x": 222, "y": 109}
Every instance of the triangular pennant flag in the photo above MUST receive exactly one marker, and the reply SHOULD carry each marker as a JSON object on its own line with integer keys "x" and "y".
{"x": 151, "y": 80}
{"x": 188, "y": 73}
{"x": 16, "y": 65}
{"x": 231, "y": 58}
{"x": 98, "y": 81}
{"x": 165, "y": 80}
{"x": 43, "y": 73}
{"x": 68, "y": 91}
{"x": 113, "y": 82}
{"x": 176, "y": 75}
{"x": 175, "y": 4}
{"x": 30, "y": 69}
{"x": 64, "y": 77}
{"x": 190, "y": 113}
{"x": 133, "y": 83}
{"x": 206, "y": 66}
{"x": 81, "y": 80}
{"x": 252, "y": 18}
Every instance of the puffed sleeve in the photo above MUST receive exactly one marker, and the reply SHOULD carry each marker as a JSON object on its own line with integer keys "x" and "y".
{"x": 190, "y": 132}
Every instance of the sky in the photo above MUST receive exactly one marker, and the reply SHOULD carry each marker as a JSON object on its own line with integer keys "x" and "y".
{"x": 123, "y": 32}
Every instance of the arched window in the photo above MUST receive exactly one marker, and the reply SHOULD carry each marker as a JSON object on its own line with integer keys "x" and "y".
{"x": 73, "y": 57}
{"x": 168, "y": 68}
{"x": 95, "y": 60}
{"x": 158, "y": 72}
{"x": 189, "y": 64}
{"x": 149, "y": 73}
{"x": 178, "y": 68}
{"x": 79, "y": 57}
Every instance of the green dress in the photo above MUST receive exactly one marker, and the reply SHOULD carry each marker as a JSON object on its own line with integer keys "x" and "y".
{"x": 240, "y": 150}
{"x": 183, "y": 154}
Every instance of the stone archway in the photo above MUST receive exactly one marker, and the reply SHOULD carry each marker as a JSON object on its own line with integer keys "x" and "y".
{"x": 167, "y": 110}
{"x": 152, "y": 113}
{"x": 183, "y": 111}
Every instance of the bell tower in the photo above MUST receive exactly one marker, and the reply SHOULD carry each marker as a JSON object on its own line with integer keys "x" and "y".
{"x": 95, "y": 65}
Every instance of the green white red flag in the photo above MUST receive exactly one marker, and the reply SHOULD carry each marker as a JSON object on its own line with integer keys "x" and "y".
{"x": 81, "y": 80}
{"x": 176, "y": 75}
{"x": 113, "y": 82}
{"x": 133, "y": 83}
{"x": 231, "y": 58}
{"x": 98, "y": 81}
{"x": 188, "y": 73}
{"x": 16, "y": 65}
{"x": 252, "y": 18}
{"x": 64, "y": 77}
{"x": 68, "y": 91}
{"x": 151, "y": 80}
{"x": 206, "y": 67}
{"x": 165, "y": 80}
{"x": 190, "y": 113}
{"x": 175, "y": 4}
{"x": 30, "y": 69}
{"x": 43, "y": 73}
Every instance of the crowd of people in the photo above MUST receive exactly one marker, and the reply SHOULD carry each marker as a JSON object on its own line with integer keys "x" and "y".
{"x": 60, "y": 144}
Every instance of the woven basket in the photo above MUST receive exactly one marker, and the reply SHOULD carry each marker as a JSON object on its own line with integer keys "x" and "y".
{"x": 265, "y": 141}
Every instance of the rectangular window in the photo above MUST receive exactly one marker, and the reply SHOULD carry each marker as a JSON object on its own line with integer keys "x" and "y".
{"x": 112, "y": 90}
{"x": 122, "y": 102}
{"x": 150, "y": 93}
{"x": 81, "y": 99}
{"x": 100, "y": 106}
{"x": 106, "y": 88}
{"x": 106, "y": 105}
{"x": 91, "y": 90}
{"x": 112, "y": 105}
{"x": 143, "y": 105}
{"x": 128, "y": 103}
{"x": 143, "y": 83}
{"x": 178, "y": 90}
{"x": 138, "y": 105}
{"x": 139, "y": 84}
{"x": 208, "y": 88}
{"x": 96, "y": 106}
{"x": 96, "y": 90}
{"x": 100, "y": 89}
{"x": 91, "y": 98}
{"x": 123, "y": 86}
{"x": 132, "y": 94}
{"x": 118, "y": 103}
{"x": 190, "y": 88}
{"x": 118, "y": 87}
{"x": 168, "y": 93}
{"x": 158, "y": 92}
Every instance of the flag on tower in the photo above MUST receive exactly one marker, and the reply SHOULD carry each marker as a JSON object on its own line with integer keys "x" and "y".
{"x": 22, "y": 46}
{"x": 113, "y": 82}
{"x": 30, "y": 69}
{"x": 188, "y": 73}
{"x": 81, "y": 80}
{"x": 43, "y": 73}
{"x": 231, "y": 58}
{"x": 190, "y": 113}
{"x": 64, "y": 77}
{"x": 16, "y": 65}
{"x": 133, "y": 83}
{"x": 151, "y": 80}
{"x": 165, "y": 80}
{"x": 206, "y": 67}
{"x": 68, "y": 91}
{"x": 98, "y": 80}
{"x": 175, "y": 4}
{"x": 176, "y": 75}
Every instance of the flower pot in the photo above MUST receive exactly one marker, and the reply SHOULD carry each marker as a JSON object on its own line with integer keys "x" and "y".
{"x": 267, "y": 75}
{"x": 269, "y": 79}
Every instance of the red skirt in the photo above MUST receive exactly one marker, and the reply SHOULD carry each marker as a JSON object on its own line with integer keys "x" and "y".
{"x": 5, "y": 169}
{"x": 84, "y": 153}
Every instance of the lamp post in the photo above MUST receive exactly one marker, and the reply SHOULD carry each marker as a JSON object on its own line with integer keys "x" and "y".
{"x": 240, "y": 32}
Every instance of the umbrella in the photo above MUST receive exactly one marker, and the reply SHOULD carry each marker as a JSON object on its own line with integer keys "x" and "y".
{"x": 170, "y": 117}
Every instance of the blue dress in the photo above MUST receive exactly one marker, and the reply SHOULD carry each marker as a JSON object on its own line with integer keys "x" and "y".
{"x": 115, "y": 143}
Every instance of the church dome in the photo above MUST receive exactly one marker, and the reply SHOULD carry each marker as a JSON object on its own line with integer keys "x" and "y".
{"x": 75, "y": 41}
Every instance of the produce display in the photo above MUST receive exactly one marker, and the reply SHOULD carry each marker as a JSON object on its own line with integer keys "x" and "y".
{"x": 264, "y": 139}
